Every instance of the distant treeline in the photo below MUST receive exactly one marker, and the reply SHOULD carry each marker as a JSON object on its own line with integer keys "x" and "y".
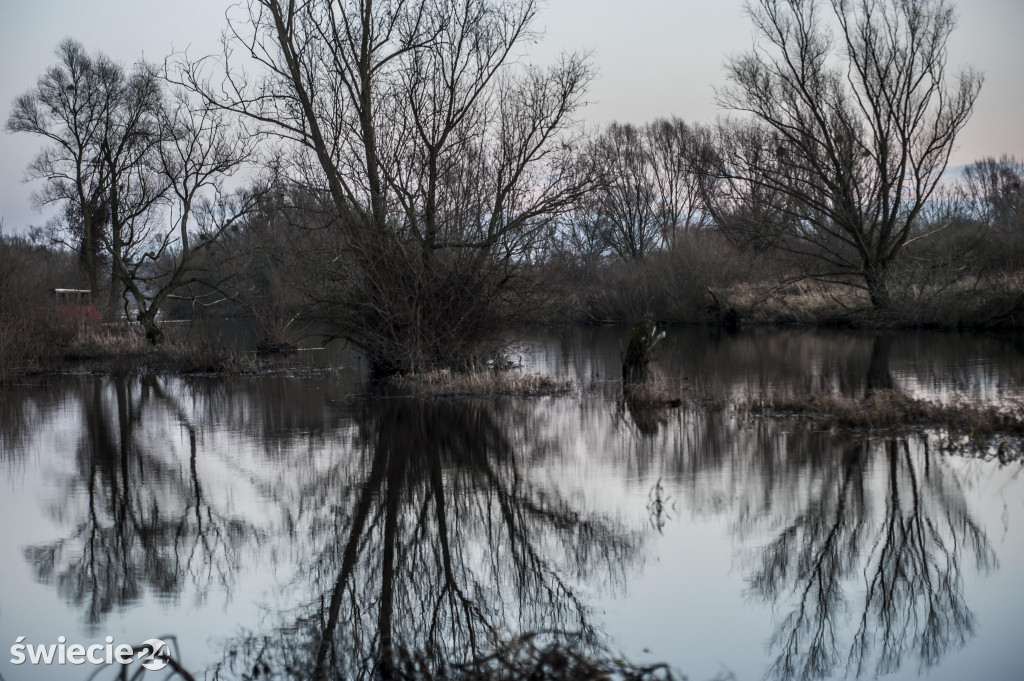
{"x": 406, "y": 186}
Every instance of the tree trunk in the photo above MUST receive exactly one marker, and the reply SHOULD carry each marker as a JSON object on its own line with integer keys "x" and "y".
{"x": 115, "y": 248}
{"x": 875, "y": 275}
{"x": 154, "y": 334}
{"x": 90, "y": 247}
{"x": 637, "y": 357}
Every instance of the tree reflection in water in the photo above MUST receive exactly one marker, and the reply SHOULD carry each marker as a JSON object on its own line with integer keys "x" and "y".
{"x": 410, "y": 525}
{"x": 894, "y": 514}
{"x": 441, "y": 528}
{"x": 431, "y": 536}
{"x": 867, "y": 535}
{"x": 142, "y": 520}
{"x": 890, "y": 519}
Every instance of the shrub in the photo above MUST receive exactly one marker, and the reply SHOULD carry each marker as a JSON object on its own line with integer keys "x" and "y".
{"x": 30, "y": 326}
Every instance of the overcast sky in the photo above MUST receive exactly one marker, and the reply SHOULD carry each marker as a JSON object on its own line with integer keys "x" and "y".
{"x": 655, "y": 58}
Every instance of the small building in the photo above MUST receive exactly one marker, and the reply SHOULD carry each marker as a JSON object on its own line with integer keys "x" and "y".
{"x": 75, "y": 305}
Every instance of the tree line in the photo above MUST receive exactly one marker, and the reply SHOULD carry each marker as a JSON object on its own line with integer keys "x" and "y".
{"x": 395, "y": 173}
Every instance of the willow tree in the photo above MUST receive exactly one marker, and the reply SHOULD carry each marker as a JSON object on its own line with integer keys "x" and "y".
{"x": 993, "y": 193}
{"x": 96, "y": 121}
{"x": 647, "y": 195}
{"x": 851, "y": 118}
{"x": 439, "y": 153}
{"x": 139, "y": 171}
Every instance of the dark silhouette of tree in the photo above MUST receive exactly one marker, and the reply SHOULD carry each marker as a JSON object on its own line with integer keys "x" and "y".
{"x": 139, "y": 175}
{"x": 96, "y": 119}
{"x": 648, "y": 193}
{"x": 623, "y": 208}
{"x": 852, "y": 118}
{"x": 433, "y": 541}
{"x": 994, "y": 190}
{"x": 161, "y": 254}
{"x": 141, "y": 523}
{"x": 440, "y": 156}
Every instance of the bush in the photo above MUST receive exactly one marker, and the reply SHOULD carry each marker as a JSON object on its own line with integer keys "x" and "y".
{"x": 30, "y": 326}
{"x": 675, "y": 285}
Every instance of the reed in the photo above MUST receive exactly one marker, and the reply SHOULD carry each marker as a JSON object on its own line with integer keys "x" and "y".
{"x": 120, "y": 348}
{"x": 651, "y": 393}
{"x": 891, "y": 409}
{"x": 444, "y": 383}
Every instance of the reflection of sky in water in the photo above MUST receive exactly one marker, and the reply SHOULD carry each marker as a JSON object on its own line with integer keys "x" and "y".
{"x": 240, "y": 531}
{"x": 712, "y": 361}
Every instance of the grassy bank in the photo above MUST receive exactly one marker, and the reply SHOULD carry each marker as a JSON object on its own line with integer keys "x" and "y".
{"x": 706, "y": 279}
{"x": 995, "y": 303}
{"x": 893, "y": 410}
{"x": 480, "y": 382}
{"x": 120, "y": 348}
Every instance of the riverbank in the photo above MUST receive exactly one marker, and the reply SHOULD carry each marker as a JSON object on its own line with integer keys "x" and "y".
{"x": 723, "y": 285}
{"x": 995, "y": 429}
{"x": 54, "y": 345}
{"x": 118, "y": 349}
{"x": 831, "y": 379}
{"x": 121, "y": 349}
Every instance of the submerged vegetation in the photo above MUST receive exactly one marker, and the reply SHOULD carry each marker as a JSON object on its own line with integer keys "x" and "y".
{"x": 444, "y": 383}
{"x": 529, "y": 657}
{"x": 894, "y": 410}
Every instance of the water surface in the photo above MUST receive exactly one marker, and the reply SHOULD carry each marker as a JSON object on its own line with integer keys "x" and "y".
{"x": 247, "y": 517}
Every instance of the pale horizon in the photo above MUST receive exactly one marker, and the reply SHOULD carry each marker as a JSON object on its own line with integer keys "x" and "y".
{"x": 655, "y": 59}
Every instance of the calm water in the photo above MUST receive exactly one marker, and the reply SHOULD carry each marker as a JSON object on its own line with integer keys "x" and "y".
{"x": 246, "y": 517}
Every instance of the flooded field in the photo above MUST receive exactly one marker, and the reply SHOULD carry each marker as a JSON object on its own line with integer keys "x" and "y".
{"x": 286, "y": 524}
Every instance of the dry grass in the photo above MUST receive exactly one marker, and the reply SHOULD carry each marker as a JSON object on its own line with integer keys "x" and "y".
{"x": 444, "y": 383}
{"x": 106, "y": 342}
{"x": 673, "y": 287}
{"x": 121, "y": 348}
{"x": 890, "y": 409}
{"x": 651, "y": 394}
{"x": 806, "y": 302}
{"x": 918, "y": 301}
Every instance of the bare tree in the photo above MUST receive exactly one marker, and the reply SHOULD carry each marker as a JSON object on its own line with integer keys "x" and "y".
{"x": 443, "y": 157}
{"x": 624, "y": 206}
{"x": 132, "y": 185}
{"x": 675, "y": 148}
{"x": 852, "y": 120}
{"x": 994, "y": 191}
{"x": 156, "y": 252}
{"x": 648, "y": 194}
{"x": 68, "y": 108}
{"x": 140, "y": 177}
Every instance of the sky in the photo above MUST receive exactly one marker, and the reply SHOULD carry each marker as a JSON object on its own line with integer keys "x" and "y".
{"x": 654, "y": 58}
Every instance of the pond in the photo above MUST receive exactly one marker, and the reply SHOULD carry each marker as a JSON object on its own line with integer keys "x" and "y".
{"x": 245, "y": 517}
